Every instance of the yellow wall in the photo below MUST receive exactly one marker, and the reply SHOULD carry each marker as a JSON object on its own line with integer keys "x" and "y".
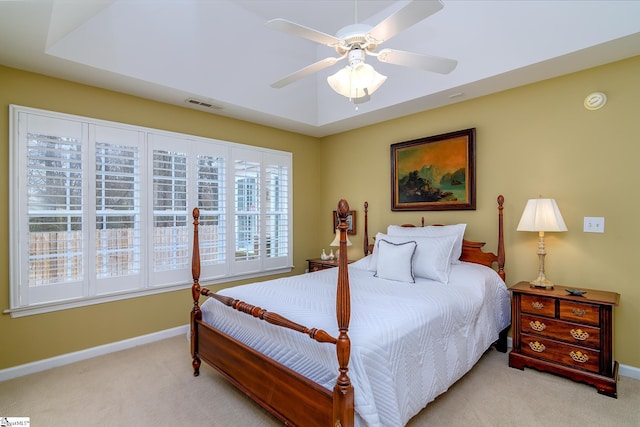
{"x": 31, "y": 338}
{"x": 533, "y": 140}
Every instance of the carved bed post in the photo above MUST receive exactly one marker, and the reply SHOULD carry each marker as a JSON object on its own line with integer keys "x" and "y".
{"x": 343, "y": 406}
{"x": 196, "y": 314}
{"x": 366, "y": 228}
{"x": 501, "y": 254}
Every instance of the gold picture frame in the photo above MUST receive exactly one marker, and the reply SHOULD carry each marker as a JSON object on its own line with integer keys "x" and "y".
{"x": 434, "y": 173}
{"x": 351, "y": 222}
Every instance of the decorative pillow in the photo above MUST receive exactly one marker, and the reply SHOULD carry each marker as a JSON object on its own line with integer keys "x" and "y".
{"x": 433, "y": 231}
{"x": 432, "y": 259}
{"x": 395, "y": 261}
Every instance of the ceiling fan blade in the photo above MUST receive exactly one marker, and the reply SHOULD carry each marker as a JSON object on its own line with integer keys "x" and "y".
{"x": 302, "y": 31}
{"x": 417, "y": 60}
{"x": 306, "y": 71}
{"x": 412, "y": 13}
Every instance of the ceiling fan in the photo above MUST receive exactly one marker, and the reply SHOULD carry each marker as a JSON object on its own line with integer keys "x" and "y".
{"x": 357, "y": 41}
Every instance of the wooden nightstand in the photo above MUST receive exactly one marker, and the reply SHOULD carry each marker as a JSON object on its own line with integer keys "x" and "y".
{"x": 316, "y": 264}
{"x": 567, "y": 335}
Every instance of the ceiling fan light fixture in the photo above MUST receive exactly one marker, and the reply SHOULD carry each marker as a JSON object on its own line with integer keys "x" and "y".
{"x": 357, "y": 81}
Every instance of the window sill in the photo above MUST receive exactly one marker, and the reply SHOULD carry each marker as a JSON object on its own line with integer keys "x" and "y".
{"x": 83, "y": 302}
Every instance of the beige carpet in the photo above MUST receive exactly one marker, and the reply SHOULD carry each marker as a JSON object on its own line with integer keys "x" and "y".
{"x": 153, "y": 385}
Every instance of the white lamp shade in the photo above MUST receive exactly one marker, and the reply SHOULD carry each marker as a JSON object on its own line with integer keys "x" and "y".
{"x": 336, "y": 240}
{"x": 351, "y": 82}
{"x": 541, "y": 215}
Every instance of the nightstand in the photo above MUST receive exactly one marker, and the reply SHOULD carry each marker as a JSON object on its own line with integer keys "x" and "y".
{"x": 567, "y": 335}
{"x": 316, "y": 264}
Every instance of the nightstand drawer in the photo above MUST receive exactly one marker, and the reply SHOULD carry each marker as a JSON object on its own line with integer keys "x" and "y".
{"x": 571, "y": 333}
{"x": 580, "y": 312}
{"x": 570, "y": 355}
{"x": 538, "y": 305}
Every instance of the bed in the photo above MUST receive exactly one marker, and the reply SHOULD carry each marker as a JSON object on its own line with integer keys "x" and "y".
{"x": 371, "y": 351}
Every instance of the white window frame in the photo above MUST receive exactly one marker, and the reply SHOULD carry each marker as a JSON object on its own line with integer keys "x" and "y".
{"x": 91, "y": 290}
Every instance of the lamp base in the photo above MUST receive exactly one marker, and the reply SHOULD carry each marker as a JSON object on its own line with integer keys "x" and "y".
{"x": 541, "y": 282}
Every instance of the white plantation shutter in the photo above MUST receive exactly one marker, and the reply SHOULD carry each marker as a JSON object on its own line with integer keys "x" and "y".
{"x": 103, "y": 211}
{"x": 276, "y": 216}
{"x": 53, "y": 260}
{"x": 171, "y": 256}
{"x": 246, "y": 209}
{"x": 118, "y": 209}
{"x": 211, "y": 193}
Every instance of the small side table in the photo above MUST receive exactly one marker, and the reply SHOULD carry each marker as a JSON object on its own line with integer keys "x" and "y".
{"x": 567, "y": 335}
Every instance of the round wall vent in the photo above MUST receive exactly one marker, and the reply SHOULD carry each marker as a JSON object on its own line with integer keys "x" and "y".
{"x": 595, "y": 101}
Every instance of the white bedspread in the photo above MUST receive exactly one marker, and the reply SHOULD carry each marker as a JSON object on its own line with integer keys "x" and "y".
{"x": 409, "y": 342}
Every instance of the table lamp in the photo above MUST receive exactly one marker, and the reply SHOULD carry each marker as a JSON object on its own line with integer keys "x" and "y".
{"x": 336, "y": 241}
{"x": 541, "y": 215}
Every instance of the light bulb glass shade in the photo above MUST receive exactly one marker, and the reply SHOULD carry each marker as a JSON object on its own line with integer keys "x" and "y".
{"x": 351, "y": 82}
{"x": 336, "y": 240}
{"x": 541, "y": 215}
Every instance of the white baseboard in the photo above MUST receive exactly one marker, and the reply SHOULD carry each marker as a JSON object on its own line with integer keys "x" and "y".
{"x": 65, "y": 359}
{"x": 623, "y": 370}
{"x": 629, "y": 371}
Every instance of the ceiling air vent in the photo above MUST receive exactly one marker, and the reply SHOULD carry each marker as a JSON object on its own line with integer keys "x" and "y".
{"x": 202, "y": 104}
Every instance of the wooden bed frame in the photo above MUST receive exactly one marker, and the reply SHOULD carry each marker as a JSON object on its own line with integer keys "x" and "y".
{"x": 290, "y": 397}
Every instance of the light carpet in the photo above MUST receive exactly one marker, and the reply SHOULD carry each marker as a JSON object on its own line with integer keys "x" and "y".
{"x": 153, "y": 385}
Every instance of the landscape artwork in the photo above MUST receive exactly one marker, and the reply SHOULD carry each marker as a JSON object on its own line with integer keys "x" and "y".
{"x": 434, "y": 173}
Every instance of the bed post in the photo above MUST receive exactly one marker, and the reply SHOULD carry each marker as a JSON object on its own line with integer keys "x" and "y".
{"x": 343, "y": 406}
{"x": 366, "y": 228}
{"x": 501, "y": 255}
{"x": 196, "y": 314}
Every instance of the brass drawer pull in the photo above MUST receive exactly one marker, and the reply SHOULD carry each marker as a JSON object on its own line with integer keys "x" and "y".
{"x": 579, "y": 334}
{"x": 579, "y": 312}
{"x": 537, "y": 347}
{"x": 537, "y": 326}
{"x": 579, "y": 356}
{"x": 537, "y": 305}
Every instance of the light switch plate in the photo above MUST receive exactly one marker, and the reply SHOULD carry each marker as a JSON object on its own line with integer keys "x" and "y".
{"x": 594, "y": 224}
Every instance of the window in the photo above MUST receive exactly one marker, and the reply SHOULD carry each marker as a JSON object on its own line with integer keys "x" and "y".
{"x": 103, "y": 211}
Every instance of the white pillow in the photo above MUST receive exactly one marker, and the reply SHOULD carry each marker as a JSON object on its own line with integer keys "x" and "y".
{"x": 433, "y": 231}
{"x": 363, "y": 263}
{"x": 395, "y": 261}
{"x": 432, "y": 259}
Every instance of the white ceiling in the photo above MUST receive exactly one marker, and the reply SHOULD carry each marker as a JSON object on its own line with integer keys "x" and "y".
{"x": 220, "y": 52}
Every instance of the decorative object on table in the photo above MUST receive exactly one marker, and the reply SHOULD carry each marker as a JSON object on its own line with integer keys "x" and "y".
{"x": 541, "y": 215}
{"x": 336, "y": 242}
{"x": 331, "y": 256}
{"x": 324, "y": 256}
{"x": 576, "y": 292}
{"x": 351, "y": 222}
{"x": 435, "y": 173}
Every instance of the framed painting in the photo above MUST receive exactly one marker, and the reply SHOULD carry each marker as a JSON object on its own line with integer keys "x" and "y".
{"x": 435, "y": 173}
{"x": 351, "y": 222}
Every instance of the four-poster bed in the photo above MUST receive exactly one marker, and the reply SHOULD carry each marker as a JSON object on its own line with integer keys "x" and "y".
{"x": 302, "y": 389}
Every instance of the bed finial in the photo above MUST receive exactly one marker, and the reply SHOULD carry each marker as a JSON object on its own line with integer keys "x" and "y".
{"x": 343, "y": 208}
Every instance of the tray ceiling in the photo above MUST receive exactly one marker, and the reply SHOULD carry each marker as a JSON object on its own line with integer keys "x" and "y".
{"x": 219, "y": 52}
